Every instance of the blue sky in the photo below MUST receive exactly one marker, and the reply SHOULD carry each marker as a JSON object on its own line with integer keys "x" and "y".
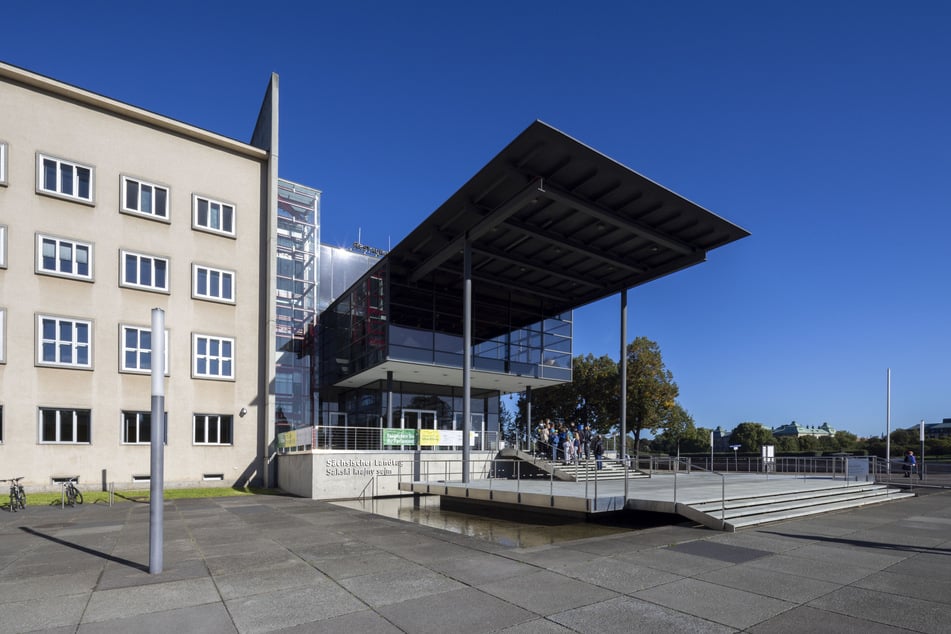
{"x": 823, "y": 128}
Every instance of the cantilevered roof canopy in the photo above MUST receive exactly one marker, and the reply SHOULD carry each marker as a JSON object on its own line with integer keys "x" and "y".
{"x": 555, "y": 225}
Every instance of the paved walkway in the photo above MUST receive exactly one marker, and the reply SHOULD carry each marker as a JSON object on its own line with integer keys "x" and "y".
{"x": 268, "y": 563}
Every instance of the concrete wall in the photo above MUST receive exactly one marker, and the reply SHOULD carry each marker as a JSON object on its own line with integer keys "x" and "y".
{"x": 345, "y": 475}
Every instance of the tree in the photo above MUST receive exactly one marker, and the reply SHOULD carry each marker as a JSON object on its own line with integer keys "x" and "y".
{"x": 787, "y": 444}
{"x": 651, "y": 391}
{"x": 508, "y": 425}
{"x": 847, "y": 441}
{"x": 591, "y": 398}
{"x": 751, "y": 436}
{"x": 680, "y": 433}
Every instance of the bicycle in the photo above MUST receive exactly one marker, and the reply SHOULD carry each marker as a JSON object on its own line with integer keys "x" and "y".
{"x": 71, "y": 494}
{"x": 17, "y": 495}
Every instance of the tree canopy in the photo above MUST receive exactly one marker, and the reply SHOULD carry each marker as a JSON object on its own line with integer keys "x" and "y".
{"x": 752, "y": 436}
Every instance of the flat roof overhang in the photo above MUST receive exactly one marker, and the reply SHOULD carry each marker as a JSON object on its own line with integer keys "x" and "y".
{"x": 430, "y": 374}
{"x": 553, "y": 225}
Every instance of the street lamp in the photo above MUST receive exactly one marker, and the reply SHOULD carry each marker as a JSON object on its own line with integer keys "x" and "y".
{"x": 736, "y": 460}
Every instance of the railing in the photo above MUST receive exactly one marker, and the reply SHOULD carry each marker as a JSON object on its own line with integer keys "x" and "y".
{"x": 344, "y": 438}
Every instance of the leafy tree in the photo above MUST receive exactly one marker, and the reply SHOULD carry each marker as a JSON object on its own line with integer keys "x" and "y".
{"x": 679, "y": 431}
{"x": 847, "y": 441}
{"x": 651, "y": 391}
{"x": 808, "y": 443}
{"x": 787, "y": 444}
{"x": 751, "y": 436}
{"x": 508, "y": 425}
{"x": 591, "y": 398}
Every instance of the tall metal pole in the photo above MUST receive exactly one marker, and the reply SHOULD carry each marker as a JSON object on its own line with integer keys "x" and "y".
{"x": 466, "y": 355}
{"x": 888, "y": 420}
{"x": 623, "y": 371}
{"x": 528, "y": 417}
{"x": 157, "y": 438}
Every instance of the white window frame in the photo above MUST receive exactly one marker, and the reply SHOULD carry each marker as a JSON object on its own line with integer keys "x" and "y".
{"x": 143, "y": 259}
{"x": 3, "y": 246}
{"x": 73, "y": 423}
{"x": 3, "y": 334}
{"x": 138, "y": 350}
{"x": 62, "y": 167}
{"x": 4, "y": 153}
{"x": 209, "y": 272}
{"x": 73, "y": 345}
{"x": 213, "y": 357}
{"x": 212, "y": 422}
{"x": 59, "y": 243}
{"x": 123, "y": 437}
{"x": 210, "y": 224}
{"x": 142, "y": 186}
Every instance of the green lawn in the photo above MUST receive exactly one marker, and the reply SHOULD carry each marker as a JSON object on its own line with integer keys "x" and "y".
{"x": 140, "y": 496}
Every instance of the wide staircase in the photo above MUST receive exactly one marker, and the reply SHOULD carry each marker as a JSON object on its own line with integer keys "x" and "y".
{"x": 578, "y": 471}
{"x": 753, "y": 510}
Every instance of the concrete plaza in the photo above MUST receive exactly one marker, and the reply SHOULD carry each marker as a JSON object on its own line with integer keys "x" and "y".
{"x": 270, "y": 563}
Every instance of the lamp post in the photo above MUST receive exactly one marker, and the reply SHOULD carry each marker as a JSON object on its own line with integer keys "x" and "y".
{"x": 736, "y": 460}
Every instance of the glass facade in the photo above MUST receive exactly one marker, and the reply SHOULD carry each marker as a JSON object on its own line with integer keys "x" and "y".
{"x": 298, "y": 235}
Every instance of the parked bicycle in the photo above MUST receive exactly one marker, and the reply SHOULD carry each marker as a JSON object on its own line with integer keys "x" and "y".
{"x": 71, "y": 494}
{"x": 17, "y": 495}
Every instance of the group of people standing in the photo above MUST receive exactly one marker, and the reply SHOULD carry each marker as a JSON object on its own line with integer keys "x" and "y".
{"x": 568, "y": 442}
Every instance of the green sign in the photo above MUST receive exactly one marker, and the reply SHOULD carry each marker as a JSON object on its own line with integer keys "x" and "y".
{"x": 399, "y": 436}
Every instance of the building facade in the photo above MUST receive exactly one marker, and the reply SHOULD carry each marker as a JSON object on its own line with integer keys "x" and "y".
{"x": 106, "y": 212}
{"x": 796, "y": 430}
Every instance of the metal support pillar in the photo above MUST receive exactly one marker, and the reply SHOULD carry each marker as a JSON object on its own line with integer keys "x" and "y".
{"x": 623, "y": 372}
{"x": 466, "y": 356}
{"x": 389, "y": 398}
{"x": 528, "y": 417}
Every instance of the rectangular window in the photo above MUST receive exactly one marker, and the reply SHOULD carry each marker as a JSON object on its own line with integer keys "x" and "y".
{"x": 3, "y": 246}
{"x": 1, "y": 424}
{"x": 135, "y": 349}
{"x": 147, "y": 199}
{"x": 137, "y": 428}
{"x": 3, "y": 163}
{"x": 63, "y": 342}
{"x": 213, "y": 215}
{"x": 59, "y": 256}
{"x": 64, "y": 178}
{"x": 3, "y": 335}
{"x": 146, "y": 272}
{"x": 65, "y": 426}
{"x": 212, "y": 357}
{"x": 212, "y": 429}
{"x": 213, "y": 284}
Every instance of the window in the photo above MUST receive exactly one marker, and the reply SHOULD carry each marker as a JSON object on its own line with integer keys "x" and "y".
{"x": 67, "y": 426}
{"x": 137, "y": 428}
{"x": 213, "y": 357}
{"x": 146, "y": 199}
{"x": 63, "y": 178}
{"x": 143, "y": 271}
{"x": 3, "y": 163}
{"x": 135, "y": 349}
{"x": 59, "y": 256}
{"x": 3, "y": 246}
{"x": 1, "y": 424}
{"x": 212, "y": 429}
{"x": 3, "y": 335}
{"x": 64, "y": 342}
{"x": 213, "y": 284}
{"x": 213, "y": 215}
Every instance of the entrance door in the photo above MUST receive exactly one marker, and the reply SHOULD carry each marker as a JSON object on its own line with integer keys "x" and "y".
{"x": 418, "y": 419}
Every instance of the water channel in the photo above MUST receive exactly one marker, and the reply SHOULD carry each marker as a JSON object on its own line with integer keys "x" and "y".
{"x": 506, "y": 529}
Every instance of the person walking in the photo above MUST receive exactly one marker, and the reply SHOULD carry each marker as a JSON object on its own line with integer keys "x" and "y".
{"x": 597, "y": 446}
{"x": 910, "y": 463}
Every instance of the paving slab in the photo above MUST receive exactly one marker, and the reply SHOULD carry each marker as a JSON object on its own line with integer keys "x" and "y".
{"x": 272, "y": 563}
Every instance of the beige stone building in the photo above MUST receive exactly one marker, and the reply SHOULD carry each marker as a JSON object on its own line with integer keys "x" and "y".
{"x": 106, "y": 212}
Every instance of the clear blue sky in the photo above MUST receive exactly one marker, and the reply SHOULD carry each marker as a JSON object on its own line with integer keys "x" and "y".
{"x": 823, "y": 128}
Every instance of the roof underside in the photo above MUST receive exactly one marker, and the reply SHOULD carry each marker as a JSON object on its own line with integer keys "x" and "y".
{"x": 554, "y": 225}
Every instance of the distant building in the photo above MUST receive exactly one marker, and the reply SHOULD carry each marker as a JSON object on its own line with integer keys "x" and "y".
{"x": 721, "y": 439}
{"x": 935, "y": 430}
{"x": 796, "y": 430}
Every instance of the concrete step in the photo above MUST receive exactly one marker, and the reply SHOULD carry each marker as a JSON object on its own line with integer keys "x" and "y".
{"x": 758, "y": 510}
